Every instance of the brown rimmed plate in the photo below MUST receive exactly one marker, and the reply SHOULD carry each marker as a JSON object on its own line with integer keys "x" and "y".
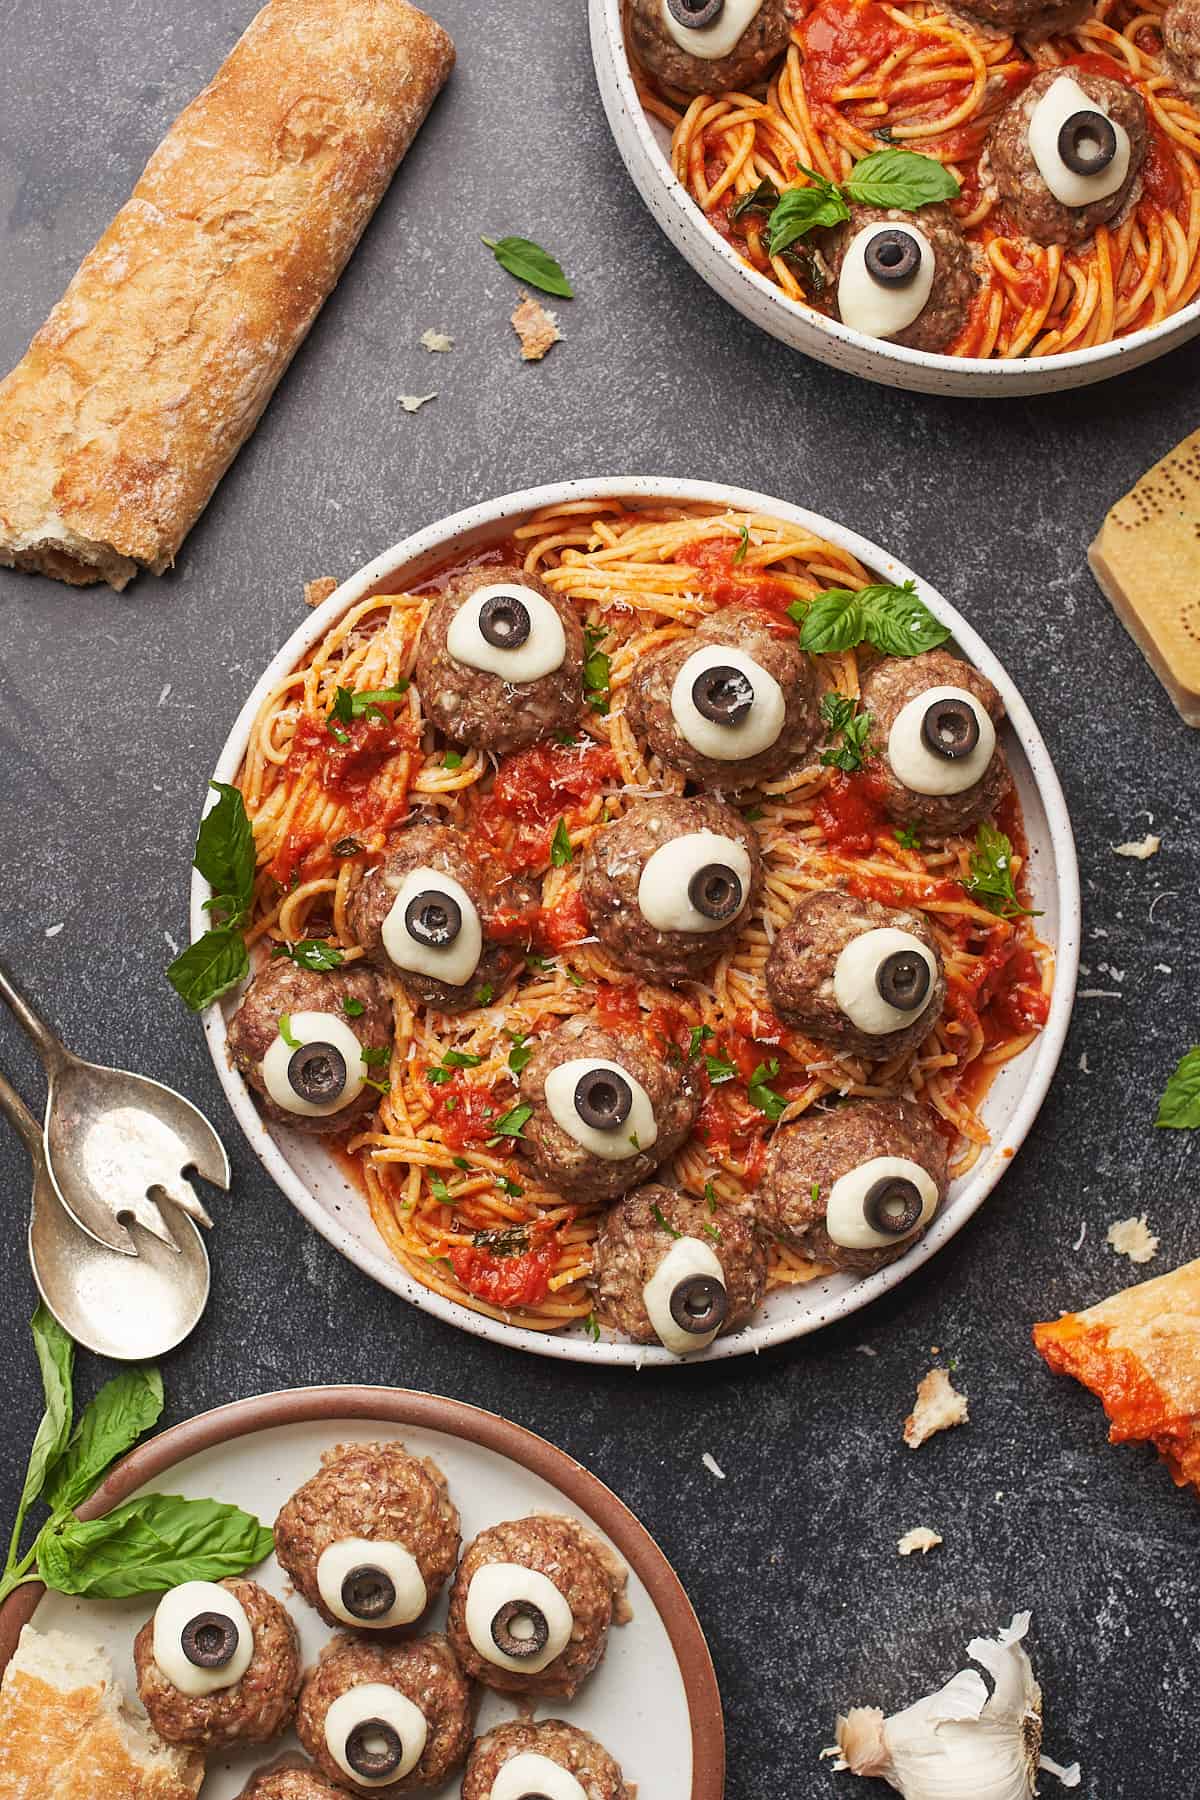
{"x": 653, "y": 1702}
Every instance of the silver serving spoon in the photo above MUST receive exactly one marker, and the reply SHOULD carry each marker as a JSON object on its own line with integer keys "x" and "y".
{"x": 132, "y": 1308}
{"x": 115, "y": 1140}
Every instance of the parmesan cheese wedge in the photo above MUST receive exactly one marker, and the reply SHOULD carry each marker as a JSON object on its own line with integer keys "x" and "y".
{"x": 1146, "y": 558}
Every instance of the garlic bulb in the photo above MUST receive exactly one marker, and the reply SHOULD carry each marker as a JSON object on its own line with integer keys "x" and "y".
{"x": 961, "y": 1743}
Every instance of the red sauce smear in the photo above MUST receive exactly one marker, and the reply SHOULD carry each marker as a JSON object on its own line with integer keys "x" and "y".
{"x": 722, "y": 580}
{"x": 506, "y": 1282}
{"x": 1134, "y": 1402}
{"x": 839, "y": 37}
{"x": 850, "y": 812}
{"x": 532, "y": 791}
{"x": 466, "y": 1113}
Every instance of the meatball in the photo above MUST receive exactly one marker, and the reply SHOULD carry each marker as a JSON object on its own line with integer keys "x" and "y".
{"x": 877, "y": 1003}
{"x": 761, "y": 45}
{"x": 532, "y": 1603}
{"x": 826, "y": 1147}
{"x": 1019, "y": 182}
{"x": 488, "y": 710}
{"x": 603, "y": 1108}
{"x": 350, "y": 1729}
{"x": 291, "y": 1778}
{"x": 886, "y": 691}
{"x": 955, "y": 282}
{"x": 442, "y": 848}
{"x": 1025, "y": 18}
{"x": 783, "y": 709}
{"x": 553, "y": 1740}
{"x": 255, "y": 1707}
{"x": 367, "y": 1495}
{"x": 713, "y": 1268}
{"x": 361, "y": 1009}
{"x": 1181, "y": 45}
{"x": 616, "y": 889}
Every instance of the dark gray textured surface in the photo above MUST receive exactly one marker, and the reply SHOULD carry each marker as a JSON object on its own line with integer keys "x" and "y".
{"x": 791, "y": 1560}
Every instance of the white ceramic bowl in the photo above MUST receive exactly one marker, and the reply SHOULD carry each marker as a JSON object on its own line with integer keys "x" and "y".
{"x": 310, "y": 1176}
{"x": 645, "y": 150}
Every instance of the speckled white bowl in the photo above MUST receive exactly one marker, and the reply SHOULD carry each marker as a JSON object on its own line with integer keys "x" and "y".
{"x": 312, "y": 1178}
{"x": 645, "y": 149}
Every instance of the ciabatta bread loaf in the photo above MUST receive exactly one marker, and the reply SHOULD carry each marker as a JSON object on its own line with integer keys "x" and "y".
{"x": 154, "y": 367}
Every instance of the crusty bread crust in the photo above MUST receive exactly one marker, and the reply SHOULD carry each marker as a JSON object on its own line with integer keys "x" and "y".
{"x": 65, "y": 1733}
{"x": 155, "y": 366}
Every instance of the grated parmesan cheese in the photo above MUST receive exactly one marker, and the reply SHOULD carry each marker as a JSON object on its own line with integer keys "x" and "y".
{"x": 1133, "y": 1238}
{"x": 1141, "y": 848}
{"x": 920, "y": 1538}
{"x": 712, "y": 1465}
{"x": 437, "y": 341}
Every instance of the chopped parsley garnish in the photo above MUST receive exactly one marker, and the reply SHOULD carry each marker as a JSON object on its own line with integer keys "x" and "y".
{"x": 512, "y": 1188}
{"x": 991, "y": 879}
{"x": 719, "y": 1069}
{"x": 381, "y": 1087}
{"x": 592, "y": 1326}
{"x": 520, "y": 1053}
{"x": 710, "y": 1194}
{"x": 575, "y": 980}
{"x": 597, "y": 668}
{"x": 440, "y": 1191}
{"x": 376, "y": 1056}
{"x": 908, "y": 837}
{"x": 313, "y": 954}
{"x": 452, "y": 760}
{"x": 762, "y": 1095}
{"x": 739, "y": 555}
{"x": 565, "y": 739}
{"x": 659, "y": 1219}
{"x": 561, "y": 852}
{"x": 635, "y": 1140}
{"x": 894, "y": 620}
{"x": 285, "y": 1031}
{"x": 453, "y": 1059}
{"x": 542, "y": 964}
{"x": 460, "y": 1162}
{"x": 1179, "y": 1108}
{"x": 513, "y": 1240}
{"x": 752, "y": 814}
{"x": 484, "y": 994}
{"x": 348, "y": 706}
{"x": 512, "y": 1123}
{"x": 713, "y": 1232}
{"x": 353, "y": 1009}
{"x": 700, "y": 1036}
{"x": 854, "y": 728}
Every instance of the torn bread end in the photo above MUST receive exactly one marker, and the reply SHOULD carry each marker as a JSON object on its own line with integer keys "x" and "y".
{"x": 536, "y": 328}
{"x": 939, "y": 1407}
{"x": 317, "y": 592}
{"x": 64, "y": 556}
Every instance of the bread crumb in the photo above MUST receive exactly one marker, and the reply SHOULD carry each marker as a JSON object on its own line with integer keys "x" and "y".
{"x": 414, "y": 402}
{"x": 919, "y": 1538}
{"x": 939, "y": 1406}
{"x": 317, "y": 592}
{"x": 437, "y": 341}
{"x": 1133, "y": 1238}
{"x": 712, "y": 1465}
{"x": 536, "y": 328}
{"x": 1141, "y": 848}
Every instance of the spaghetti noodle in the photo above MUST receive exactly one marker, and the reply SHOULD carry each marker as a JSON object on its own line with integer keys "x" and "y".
{"x": 457, "y": 1210}
{"x": 862, "y": 74}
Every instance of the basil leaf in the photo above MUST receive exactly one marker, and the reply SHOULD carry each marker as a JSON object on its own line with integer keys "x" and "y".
{"x": 719, "y": 1069}
{"x": 520, "y": 1053}
{"x": 560, "y": 846}
{"x": 854, "y": 728}
{"x": 313, "y": 954}
{"x": 512, "y": 1123}
{"x": 1179, "y": 1108}
{"x": 124, "y": 1408}
{"x": 830, "y": 622}
{"x": 209, "y": 967}
{"x": 900, "y": 178}
{"x": 56, "y": 1357}
{"x": 529, "y": 262}
{"x": 761, "y": 199}
{"x": 353, "y": 1009}
{"x": 991, "y": 878}
{"x": 763, "y": 1097}
{"x": 149, "y": 1545}
{"x": 898, "y": 622}
{"x": 803, "y": 209}
{"x": 597, "y": 668}
{"x": 225, "y": 855}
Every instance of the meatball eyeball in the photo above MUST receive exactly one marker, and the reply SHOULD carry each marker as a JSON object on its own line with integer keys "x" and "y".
{"x": 1066, "y": 155}
{"x": 907, "y": 277}
{"x": 669, "y": 886}
{"x": 674, "y": 1270}
{"x": 864, "y": 978}
{"x": 855, "y": 1186}
{"x": 732, "y": 703}
{"x": 1181, "y": 45}
{"x": 500, "y": 662}
{"x": 425, "y": 912}
{"x": 291, "y": 1778}
{"x": 386, "y": 1717}
{"x": 218, "y": 1664}
{"x": 372, "y": 1538}
{"x": 532, "y": 1603}
{"x": 941, "y": 766}
{"x": 557, "y": 1761}
{"x": 1031, "y": 19}
{"x": 299, "y": 1039}
{"x": 606, "y": 1110}
{"x": 709, "y": 46}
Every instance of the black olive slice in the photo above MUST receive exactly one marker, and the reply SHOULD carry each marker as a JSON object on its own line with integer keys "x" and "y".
{"x": 1087, "y": 142}
{"x": 902, "y": 979}
{"x": 374, "y": 1749}
{"x": 504, "y": 622}
{"x": 699, "y": 1304}
{"x": 209, "y": 1641}
{"x": 893, "y": 1205}
{"x": 433, "y": 918}
{"x": 695, "y": 14}
{"x": 603, "y": 1099}
{"x": 723, "y": 694}
{"x": 950, "y": 728}
{"x": 317, "y": 1072}
{"x": 368, "y": 1592}
{"x": 716, "y": 891}
{"x": 893, "y": 257}
{"x": 534, "y": 1636}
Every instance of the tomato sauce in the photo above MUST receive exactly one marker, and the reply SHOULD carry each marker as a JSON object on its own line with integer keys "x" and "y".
{"x": 533, "y": 790}
{"x": 465, "y": 1112}
{"x": 506, "y": 1281}
{"x": 722, "y": 580}
{"x": 567, "y": 923}
{"x": 850, "y": 812}
{"x": 617, "y": 1004}
{"x": 839, "y": 37}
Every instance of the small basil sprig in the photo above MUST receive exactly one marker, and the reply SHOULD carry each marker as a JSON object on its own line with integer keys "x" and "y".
{"x": 225, "y": 857}
{"x": 1179, "y": 1108}
{"x": 146, "y": 1545}
{"x": 902, "y": 179}
{"x": 892, "y": 619}
{"x": 529, "y": 262}
{"x": 853, "y": 727}
{"x": 313, "y": 954}
{"x": 991, "y": 879}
